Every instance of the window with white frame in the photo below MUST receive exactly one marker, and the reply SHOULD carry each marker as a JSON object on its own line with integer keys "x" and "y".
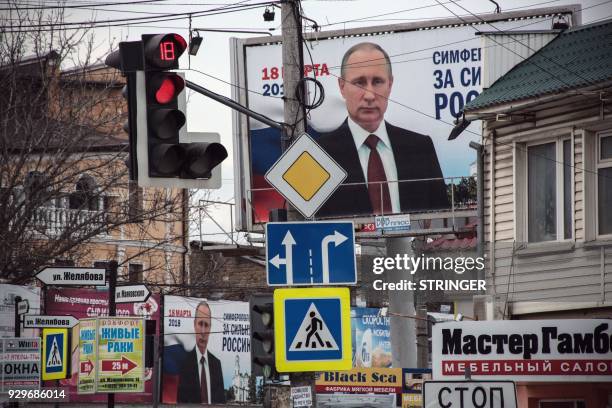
{"x": 549, "y": 191}
{"x": 604, "y": 183}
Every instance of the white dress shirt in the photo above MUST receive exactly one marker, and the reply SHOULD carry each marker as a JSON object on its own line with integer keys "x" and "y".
{"x": 386, "y": 155}
{"x": 199, "y": 357}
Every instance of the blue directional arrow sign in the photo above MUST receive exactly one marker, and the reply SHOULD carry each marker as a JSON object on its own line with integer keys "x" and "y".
{"x": 307, "y": 253}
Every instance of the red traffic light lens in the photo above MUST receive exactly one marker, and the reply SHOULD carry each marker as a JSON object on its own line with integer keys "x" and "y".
{"x": 167, "y": 87}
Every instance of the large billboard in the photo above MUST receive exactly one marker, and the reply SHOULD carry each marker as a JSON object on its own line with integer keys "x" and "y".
{"x": 525, "y": 350}
{"x": 404, "y": 84}
{"x": 207, "y": 351}
{"x": 86, "y": 303}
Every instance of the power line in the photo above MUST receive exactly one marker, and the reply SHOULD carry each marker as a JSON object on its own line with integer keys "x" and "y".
{"x": 165, "y": 17}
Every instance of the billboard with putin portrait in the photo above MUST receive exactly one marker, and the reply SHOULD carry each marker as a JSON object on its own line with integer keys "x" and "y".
{"x": 207, "y": 351}
{"x": 407, "y": 87}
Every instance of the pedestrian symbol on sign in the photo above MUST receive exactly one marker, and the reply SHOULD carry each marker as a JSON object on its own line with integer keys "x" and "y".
{"x": 54, "y": 355}
{"x": 313, "y": 333}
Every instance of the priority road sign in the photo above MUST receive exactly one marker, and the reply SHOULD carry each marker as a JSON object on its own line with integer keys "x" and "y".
{"x": 307, "y": 253}
{"x": 55, "y": 354}
{"x": 305, "y": 175}
{"x": 312, "y": 329}
{"x": 68, "y": 276}
{"x": 469, "y": 394}
{"x": 34, "y": 321}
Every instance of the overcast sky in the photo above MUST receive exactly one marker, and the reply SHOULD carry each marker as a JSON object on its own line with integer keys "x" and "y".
{"x": 213, "y": 59}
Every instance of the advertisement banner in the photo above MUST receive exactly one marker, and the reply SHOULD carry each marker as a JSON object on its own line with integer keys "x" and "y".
{"x": 121, "y": 354}
{"x": 7, "y": 308}
{"x": 207, "y": 351}
{"x": 86, "y": 303}
{"x": 86, "y": 378}
{"x": 527, "y": 350}
{"x": 423, "y": 78}
{"x": 19, "y": 363}
{"x": 360, "y": 381}
{"x": 371, "y": 338}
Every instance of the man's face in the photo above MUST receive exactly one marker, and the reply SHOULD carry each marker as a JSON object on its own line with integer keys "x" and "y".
{"x": 366, "y": 88}
{"x": 201, "y": 325}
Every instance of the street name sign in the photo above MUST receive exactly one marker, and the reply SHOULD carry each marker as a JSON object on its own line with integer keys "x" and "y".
{"x": 38, "y": 321}
{"x": 305, "y": 175}
{"x": 23, "y": 307}
{"x": 307, "y": 253}
{"x": 312, "y": 329}
{"x": 68, "y": 276}
{"x": 55, "y": 354}
{"x": 469, "y": 394}
{"x": 131, "y": 294}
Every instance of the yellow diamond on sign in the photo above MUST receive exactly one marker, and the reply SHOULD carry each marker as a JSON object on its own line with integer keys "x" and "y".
{"x": 306, "y": 176}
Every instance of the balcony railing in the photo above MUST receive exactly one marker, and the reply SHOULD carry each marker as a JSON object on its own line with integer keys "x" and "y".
{"x": 52, "y": 221}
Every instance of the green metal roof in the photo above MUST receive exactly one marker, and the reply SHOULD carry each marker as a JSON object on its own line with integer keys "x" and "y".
{"x": 579, "y": 57}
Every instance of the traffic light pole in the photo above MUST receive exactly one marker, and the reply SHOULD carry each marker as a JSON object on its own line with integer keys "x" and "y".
{"x": 232, "y": 104}
{"x": 294, "y": 114}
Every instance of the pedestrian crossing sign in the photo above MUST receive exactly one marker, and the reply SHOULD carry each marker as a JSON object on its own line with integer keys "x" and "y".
{"x": 55, "y": 354}
{"x": 312, "y": 329}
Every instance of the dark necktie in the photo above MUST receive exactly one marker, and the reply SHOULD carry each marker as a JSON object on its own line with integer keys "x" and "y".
{"x": 377, "y": 179}
{"x": 203, "y": 383}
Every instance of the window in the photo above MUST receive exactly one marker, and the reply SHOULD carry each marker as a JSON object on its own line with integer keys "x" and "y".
{"x": 135, "y": 198}
{"x": 549, "y": 191}
{"x": 604, "y": 184}
{"x": 100, "y": 264}
{"x": 135, "y": 273}
{"x": 84, "y": 196}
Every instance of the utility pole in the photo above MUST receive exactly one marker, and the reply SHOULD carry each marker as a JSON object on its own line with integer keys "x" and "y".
{"x": 294, "y": 114}
{"x": 401, "y": 303}
{"x": 112, "y": 310}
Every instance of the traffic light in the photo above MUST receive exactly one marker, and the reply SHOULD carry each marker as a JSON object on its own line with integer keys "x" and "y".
{"x": 262, "y": 336}
{"x": 128, "y": 59}
{"x": 162, "y": 152}
{"x": 165, "y": 115}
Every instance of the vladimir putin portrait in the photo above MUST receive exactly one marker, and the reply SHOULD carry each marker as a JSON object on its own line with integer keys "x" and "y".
{"x": 374, "y": 153}
{"x": 201, "y": 378}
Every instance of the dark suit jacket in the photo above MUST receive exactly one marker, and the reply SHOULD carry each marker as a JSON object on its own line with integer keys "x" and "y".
{"x": 189, "y": 379}
{"x": 415, "y": 158}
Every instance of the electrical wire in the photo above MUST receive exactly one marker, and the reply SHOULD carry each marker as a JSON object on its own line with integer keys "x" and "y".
{"x": 139, "y": 20}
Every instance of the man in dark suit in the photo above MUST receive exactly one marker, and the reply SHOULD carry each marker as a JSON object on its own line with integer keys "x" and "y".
{"x": 201, "y": 377}
{"x": 372, "y": 150}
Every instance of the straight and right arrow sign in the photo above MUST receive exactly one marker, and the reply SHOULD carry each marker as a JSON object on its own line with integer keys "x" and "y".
{"x": 310, "y": 253}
